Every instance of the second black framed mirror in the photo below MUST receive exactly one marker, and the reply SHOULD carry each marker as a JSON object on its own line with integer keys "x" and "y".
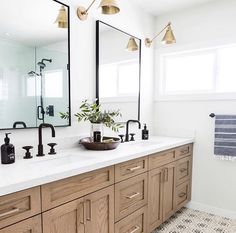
{"x": 118, "y": 71}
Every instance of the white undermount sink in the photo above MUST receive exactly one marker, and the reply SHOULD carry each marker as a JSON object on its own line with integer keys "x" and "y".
{"x": 62, "y": 160}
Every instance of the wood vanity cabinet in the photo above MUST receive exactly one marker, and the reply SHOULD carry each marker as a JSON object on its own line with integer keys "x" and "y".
{"x": 90, "y": 214}
{"x": 169, "y": 185}
{"x": 131, "y": 197}
{"x": 19, "y": 206}
{"x": 31, "y": 225}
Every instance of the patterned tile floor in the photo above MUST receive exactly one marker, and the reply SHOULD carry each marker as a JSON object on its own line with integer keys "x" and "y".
{"x": 194, "y": 221}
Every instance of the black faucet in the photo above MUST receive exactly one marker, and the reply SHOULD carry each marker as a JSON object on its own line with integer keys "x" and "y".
{"x": 40, "y": 145}
{"x": 127, "y": 128}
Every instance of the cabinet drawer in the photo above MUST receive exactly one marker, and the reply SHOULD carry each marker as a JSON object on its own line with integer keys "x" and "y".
{"x": 134, "y": 223}
{"x": 184, "y": 151}
{"x": 162, "y": 158}
{"x": 60, "y": 192}
{"x": 183, "y": 194}
{"x": 31, "y": 225}
{"x": 130, "y": 195}
{"x": 131, "y": 168}
{"x": 18, "y": 206}
{"x": 184, "y": 170}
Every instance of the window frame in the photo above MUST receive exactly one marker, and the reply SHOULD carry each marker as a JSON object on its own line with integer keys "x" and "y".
{"x": 120, "y": 97}
{"x": 211, "y": 94}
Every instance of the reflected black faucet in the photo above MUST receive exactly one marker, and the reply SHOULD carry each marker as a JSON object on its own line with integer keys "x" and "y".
{"x": 19, "y": 123}
{"x": 40, "y": 145}
{"x": 127, "y": 128}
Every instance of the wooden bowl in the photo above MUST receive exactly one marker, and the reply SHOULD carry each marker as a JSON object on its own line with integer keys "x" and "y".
{"x": 89, "y": 145}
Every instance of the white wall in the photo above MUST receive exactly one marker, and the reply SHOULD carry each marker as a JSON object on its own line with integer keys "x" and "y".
{"x": 83, "y": 69}
{"x": 214, "y": 187}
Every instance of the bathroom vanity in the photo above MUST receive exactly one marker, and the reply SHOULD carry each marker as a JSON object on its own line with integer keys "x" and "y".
{"x": 129, "y": 190}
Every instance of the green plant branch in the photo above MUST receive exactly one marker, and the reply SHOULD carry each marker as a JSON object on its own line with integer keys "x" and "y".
{"x": 91, "y": 112}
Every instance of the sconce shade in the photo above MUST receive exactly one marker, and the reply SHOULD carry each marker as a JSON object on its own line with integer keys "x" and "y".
{"x": 109, "y": 7}
{"x": 169, "y": 37}
{"x": 62, "y": 18}
{"x": 132, "y": 45}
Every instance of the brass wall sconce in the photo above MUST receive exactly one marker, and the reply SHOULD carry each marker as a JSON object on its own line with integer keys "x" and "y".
{"x": 109, "y": 7}
{"x": 62, "y": 18}
{"x": 132, "y": 45}
{"x": 168, "y": 38}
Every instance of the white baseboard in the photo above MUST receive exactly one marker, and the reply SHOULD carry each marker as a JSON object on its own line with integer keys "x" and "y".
{"x": 211, "y": 209}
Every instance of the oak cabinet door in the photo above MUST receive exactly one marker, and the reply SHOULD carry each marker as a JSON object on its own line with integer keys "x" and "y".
{"x": 68, "y": 218}
{"x": 31, "y": 225}
{"x": 169, "y": 173}
{"x": 100, "y": 211}
{"x": 155, "y": 196}
{"x": 90, "y": 214}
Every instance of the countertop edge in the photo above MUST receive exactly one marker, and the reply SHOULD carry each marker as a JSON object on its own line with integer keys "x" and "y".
{"x": 20, "y": 186}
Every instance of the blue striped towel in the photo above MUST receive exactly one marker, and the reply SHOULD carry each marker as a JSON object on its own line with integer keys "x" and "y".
{"x": 225, "y": 137}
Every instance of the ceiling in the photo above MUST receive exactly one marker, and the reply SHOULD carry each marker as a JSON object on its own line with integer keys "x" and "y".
{"x": 159, "y": 7}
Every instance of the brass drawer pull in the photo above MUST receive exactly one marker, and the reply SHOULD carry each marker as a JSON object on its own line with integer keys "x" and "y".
{"x": 135, "y": 229}
{"x": 13, "y": 211}
{"x": 88, "y": 210}
{"x": 182, "y": 194}
{"x": 133, "y": 196}
{"x": 132, "y": 169}
{"x": 183, "y": 170}
{"x": 80, "y": 216}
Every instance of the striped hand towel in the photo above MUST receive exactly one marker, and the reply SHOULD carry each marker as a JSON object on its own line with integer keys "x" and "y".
{"x": 225, "y": 137}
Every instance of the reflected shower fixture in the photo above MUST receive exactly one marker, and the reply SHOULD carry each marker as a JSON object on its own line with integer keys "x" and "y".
{"x": 109, "y": 7}
{"x": 168, "y": 38}
{"x": 32, "y": 74}
{"x": 41, "y": 64}
{"x": 62, "y": 18}
{"x": 132, "y": 45}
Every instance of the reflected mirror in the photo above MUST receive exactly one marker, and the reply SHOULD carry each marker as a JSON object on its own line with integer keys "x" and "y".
{"x": 118, "y": 62}
{"x": 34, "y": 63}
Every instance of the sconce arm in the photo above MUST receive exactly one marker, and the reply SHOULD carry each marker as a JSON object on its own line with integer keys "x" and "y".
{"x": 86, "y": 11}
{"x": 161, "y": 31}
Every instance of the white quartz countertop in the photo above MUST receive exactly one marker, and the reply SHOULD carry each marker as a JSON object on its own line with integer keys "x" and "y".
{"x": 26, "y": 174}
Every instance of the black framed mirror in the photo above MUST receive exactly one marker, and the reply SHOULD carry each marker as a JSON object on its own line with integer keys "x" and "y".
{"x": 34, "y": 63}
{"x": 118, "y": 71}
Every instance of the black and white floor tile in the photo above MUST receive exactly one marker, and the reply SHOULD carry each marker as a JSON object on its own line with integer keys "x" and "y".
{"x": 194, "y": 221}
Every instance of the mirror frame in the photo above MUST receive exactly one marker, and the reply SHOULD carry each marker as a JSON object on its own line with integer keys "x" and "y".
{"x": 69, "y": 76}
{"x": 98, "y": 60}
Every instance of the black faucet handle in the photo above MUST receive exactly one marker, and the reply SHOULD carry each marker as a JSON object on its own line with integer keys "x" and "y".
{"x": 27, "y": 153}
{"x": 121, "y": 137}
{"x": 52, "y": 150}
{"x": 132, "y": 136}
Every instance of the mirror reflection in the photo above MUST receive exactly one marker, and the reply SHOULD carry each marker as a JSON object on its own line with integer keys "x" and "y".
{"x": 118, "y": 71}
{"x": 34, "y": 64}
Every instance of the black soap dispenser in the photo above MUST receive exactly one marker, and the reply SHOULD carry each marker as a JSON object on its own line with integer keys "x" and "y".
{"x": 7, "y": 151}
{"x": 145, "y": 134}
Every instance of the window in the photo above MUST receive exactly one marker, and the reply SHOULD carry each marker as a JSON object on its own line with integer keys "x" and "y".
{"x": 121, "y": 78}
{"x": 201, "y": 71}
{"x": 54, "y": 84}
{"x": 33, "y": 85}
